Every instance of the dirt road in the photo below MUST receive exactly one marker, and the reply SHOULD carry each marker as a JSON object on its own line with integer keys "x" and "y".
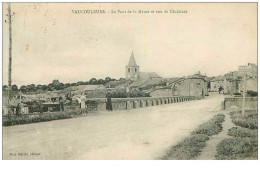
{"x": 131, "y": 134}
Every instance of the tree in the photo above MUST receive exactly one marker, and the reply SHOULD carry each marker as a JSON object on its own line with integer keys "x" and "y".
{"x": 23, "y": 89}
{"x": 55, "y": 82}
{"x": 39, "y": 87}
{"x": 31, "y": 88}
{"x": 73, "y": 84}
{"x": 5, "y": 87}
{"x": 101, "y": 81}
{"x": 14, "y": 88}
{"x": 107, "y": 79}
{"x": 93, "y": 81}
{"x": 61, "y": 86}
{"x": 80, "y": 83}
{"x": 44, "y": 87}
{"x": 67, "y": 85}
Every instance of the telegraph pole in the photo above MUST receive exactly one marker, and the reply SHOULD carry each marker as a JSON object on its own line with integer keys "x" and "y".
{"x": 244, "y": 97}
{"x": 10, "y": 52}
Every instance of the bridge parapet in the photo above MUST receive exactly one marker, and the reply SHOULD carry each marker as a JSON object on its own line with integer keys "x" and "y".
{"x": 139, "y": 102}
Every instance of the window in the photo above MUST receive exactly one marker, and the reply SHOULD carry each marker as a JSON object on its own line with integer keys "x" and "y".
{"x": 129, "y": 70}
{"x": 135, "y": 70}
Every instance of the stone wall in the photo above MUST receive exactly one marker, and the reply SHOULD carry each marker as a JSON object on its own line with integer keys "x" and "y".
{"x": 193, "y": 87}
{"x": 236, "y": 103}
{"x": 135, "y": 103}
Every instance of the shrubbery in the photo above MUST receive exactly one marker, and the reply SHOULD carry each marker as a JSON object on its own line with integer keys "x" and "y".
{"x": 187, "y": 149}
{"x": 118, "y": 94}
{"x": 242, "y": 132}
{"x": 138, "y": 94}
{"x": 252, "y": 93}
{"x": 41, "y": 117}
{"x": 244, "y": 145}
{"x": 250, "y": 121}
{"x": 191, "y": 147}
{"x": 212, "y": 127}
{"x": 237, "y": 148}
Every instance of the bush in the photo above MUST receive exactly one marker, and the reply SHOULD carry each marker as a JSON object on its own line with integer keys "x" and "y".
{"x": 244, "y": 145}
{"x": 252, "y": 93}
{"x": 138, "y": 94}
{"x": 119, "y": 94}
{"x": 242, "y": 132}
{"x": 249, "y": 121}
{"x": 212, "y": 127}
{"x": 187, "y": 149}
{"x": 237, "y": 148}
{"x": 42, "y": 117}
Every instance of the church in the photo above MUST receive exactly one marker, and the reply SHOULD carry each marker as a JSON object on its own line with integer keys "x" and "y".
{"x": 133, "y": 71}
{"x": 136, "y": 80}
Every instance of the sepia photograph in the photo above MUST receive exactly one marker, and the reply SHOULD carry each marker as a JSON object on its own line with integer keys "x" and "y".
{"x": 129, "y": 81}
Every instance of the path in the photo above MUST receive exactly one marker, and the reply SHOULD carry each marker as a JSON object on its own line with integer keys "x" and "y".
{"x": 209, "y": 152}
{"x": 144, "y": 133}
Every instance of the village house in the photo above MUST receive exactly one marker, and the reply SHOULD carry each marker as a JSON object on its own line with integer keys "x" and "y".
{"x": 250, "y": 70}
{"x": 89, "y": 91}
{"x": 195, "y": 85}
{"x": 217, "y": 83}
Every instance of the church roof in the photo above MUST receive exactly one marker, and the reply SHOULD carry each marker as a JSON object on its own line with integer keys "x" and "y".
{"x": 148, "y": 75}
{"x": 132, "y": 60}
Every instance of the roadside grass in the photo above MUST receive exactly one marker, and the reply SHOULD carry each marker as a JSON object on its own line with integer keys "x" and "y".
{"x": 237, "y": 149}
{"x": 42, "y": 117}
{"x": 244, "y": 142}
{"x": 250, "y": 121}
{"x": 240, "y": 132}
{"x": 212, "y": 127}
{"x": 187, "y": 149}
{"x": 191, "y": 147}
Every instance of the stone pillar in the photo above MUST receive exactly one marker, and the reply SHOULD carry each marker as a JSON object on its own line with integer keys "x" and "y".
{"x": 148, "y": 102}
{"x": 162, "y": 101}
{"x": 158, "y": 101}
{"x": 154, "y": 103}
{"x": 129, "y": 105}
{"x": 134, "y": 104}
{"x": 142, "y": 103}
{"x": 166, "y": 101}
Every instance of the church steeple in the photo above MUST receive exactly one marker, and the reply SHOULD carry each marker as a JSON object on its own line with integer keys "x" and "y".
{"x": 132, "y": 60}
{"x": 132, "y": 69}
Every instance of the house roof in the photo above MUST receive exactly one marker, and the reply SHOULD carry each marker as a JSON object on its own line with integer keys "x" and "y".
{"x": 85, "y": 87}
{"x": 148, "y": 75}
{"x": 197, "y": 76}
{"x": 146, "y": 83}
{"x": 174, "y": 79}
{"x": 116, "y": 84}
{"x": 218, "y": 78}
{"x": 132, "y": 60}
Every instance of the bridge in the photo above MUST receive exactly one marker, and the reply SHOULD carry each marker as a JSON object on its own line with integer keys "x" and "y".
{"x": 124, "y": 134}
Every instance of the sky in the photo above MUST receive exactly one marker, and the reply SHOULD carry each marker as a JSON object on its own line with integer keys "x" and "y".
{"x": 50, "y": 42}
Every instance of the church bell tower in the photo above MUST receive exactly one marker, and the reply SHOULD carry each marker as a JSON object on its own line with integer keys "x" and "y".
{"x": 132, "y": 69}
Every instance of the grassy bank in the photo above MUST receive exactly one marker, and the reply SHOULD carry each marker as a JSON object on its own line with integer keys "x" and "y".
{"x": 244, "y": 141}
{"x": 212, "y": 127}
{"x": 191, "y": 147}
{"x": 28, "y": 119}
{"x": 187, "y": 149}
